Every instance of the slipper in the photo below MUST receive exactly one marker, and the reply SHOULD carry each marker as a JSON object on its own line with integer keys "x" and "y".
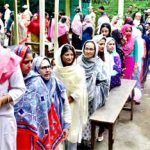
{"x": 100, "y": 138}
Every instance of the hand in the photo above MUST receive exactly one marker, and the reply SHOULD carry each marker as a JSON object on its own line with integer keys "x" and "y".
{"x": 70, "y": 99}
{"x": 65, "y": 133}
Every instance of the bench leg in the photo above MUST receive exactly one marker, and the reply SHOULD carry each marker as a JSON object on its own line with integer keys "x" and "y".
{"x": 93, "y": 128}
{"x": 110, "y": 137}
{"x": 132, "y": 104}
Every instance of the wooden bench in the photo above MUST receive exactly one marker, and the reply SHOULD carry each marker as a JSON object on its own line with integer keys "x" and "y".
{"x": 107, "y": 116}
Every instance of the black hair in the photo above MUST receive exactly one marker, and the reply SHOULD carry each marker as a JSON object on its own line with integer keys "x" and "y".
{"x": 108, "y": 26}
{"x": 102, "y": 8}
{"x": 90, "y": 42}
{"x": 65, "y": 49}
{"x": 28, "y": 51}
{"x": 63, "y": 19}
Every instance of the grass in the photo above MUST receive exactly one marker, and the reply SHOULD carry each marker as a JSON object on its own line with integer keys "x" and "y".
{"x": 112, "y": 7}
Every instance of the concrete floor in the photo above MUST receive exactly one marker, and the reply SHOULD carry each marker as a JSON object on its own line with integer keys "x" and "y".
{"x": 132, "y": 135}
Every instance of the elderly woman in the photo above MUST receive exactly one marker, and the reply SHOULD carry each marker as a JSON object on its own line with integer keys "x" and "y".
{"x": 96, "y": 79}
{"x": 57, "y": 91}
{"x": 11, "y": 89}
{"x": 35, "y": 114}
{"x": 73, "y": 77}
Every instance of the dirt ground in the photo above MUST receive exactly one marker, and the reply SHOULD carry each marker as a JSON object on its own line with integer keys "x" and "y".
{"x": 132, "y": 135}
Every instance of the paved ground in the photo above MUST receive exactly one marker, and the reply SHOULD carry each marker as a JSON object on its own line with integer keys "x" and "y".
{"x": 132, "y": 135}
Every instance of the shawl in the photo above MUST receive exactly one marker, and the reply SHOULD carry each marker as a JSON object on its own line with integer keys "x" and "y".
{"x": 129, "y": 45}
{"x": 56, "y": 89}
{"x": 8, "y": 64}
{"x": 87, "y": 22}
{"x": 36, "y": 115}
{"x": 73, "y": 78}
{"x": 77, "y": 25}
{"x": 96, "y": 78}
{"x": 34, "y": 26}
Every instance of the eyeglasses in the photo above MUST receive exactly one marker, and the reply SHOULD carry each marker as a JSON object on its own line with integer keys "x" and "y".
{"x": 45, "y": 67}
{"x": 91, "y": 49}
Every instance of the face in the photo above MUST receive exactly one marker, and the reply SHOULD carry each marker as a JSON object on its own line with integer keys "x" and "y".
{"x": 45, "y": 69}
{"x": 68, "y": 58}
{"x": 101, "y": 45}
{"x": 130, "y": 8}
{"x": 89, "y": 50}
{"x": 26, "y": 64}
{"x": 128, "y": 32}
{"x": 110, "y": 46}
{"x": 105, "y": 31}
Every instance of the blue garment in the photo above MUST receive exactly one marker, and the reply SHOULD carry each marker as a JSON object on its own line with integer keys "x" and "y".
{"x": 87, "y": 34}
{"x": 56, "y": 89}
{"x": 32, "y": 110}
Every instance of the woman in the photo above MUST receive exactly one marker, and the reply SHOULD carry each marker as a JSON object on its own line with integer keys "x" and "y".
{"x": 36, "y": 116}
{"x": 105, "y": 30}
{"x": 57, "y": 90}
{"x": 87, "y": 29}
{"x": 112, "y": 60}
{"x": 96, "y": 79}
{"x": 11, "y": 89}
{"x": 130, "y": 49}
{"x": 100, "y": 40}
{"x": 73, "y": 77}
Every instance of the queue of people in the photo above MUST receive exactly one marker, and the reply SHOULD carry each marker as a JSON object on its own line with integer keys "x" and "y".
{"x": 47, "y": 105}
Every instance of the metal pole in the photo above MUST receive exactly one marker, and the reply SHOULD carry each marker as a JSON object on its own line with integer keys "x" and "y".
{"x": 120, "y": 8}
{"x": 28, "y": 4}
{"x": 42, "y": 27}
{"x": 16, "y": 23}
{"x": 80, "y": 4}
{"x": 56, "y": 25}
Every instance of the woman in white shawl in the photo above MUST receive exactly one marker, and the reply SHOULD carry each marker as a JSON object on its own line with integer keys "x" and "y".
{"x": 73, "y": 77}
{"x": 96, "y": 79}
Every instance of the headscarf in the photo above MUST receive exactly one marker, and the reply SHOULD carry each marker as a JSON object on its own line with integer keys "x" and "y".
{"x": 95, "y": 73}
{"x": 21, "y": 50}
{"x": 37, "y": 62}
{"x": 73, "y": 77}
{"x": 87, "y": 22}
{"x": 129, "y": 45}
{"x": 8, "y": 63}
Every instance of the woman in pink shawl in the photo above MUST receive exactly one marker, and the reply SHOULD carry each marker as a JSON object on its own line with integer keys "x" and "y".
{"x": 130, "y": 49}
{"x": 11, "y": 89}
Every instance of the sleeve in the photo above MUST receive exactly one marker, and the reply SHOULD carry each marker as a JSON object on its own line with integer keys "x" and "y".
{"x": 135, "y": 51}
{"x": 67, "y": 111}
{"x": 17, "y": 86}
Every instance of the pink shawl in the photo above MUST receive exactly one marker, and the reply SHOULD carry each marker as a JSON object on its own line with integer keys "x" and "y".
{"x": 8, "y": 63}
{"x": 129, "y": 45}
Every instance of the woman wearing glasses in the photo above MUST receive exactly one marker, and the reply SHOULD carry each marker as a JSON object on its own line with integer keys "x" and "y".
{"x": 96, "y": 79}
{"x": 35, "y": 113}
{"x": 57, "y": 92}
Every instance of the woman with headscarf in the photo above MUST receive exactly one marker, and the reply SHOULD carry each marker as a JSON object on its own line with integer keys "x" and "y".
{"x": 96, "y": 79}
{"x": 87, "y": 29}
{"x": 11, "y": 89}
{"x": 57, "y": 92}
{"x": 73, "y": 77}
{"x": 37, "y": 120}
{"x": 130, "y": 49}
{"x": 112, "y": 60}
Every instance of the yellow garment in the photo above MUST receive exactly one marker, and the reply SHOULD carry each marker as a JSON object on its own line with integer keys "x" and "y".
{"x": 73, "y": 78}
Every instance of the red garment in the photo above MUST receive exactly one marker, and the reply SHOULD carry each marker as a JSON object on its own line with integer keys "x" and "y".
{"x": 27, "y": 140}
